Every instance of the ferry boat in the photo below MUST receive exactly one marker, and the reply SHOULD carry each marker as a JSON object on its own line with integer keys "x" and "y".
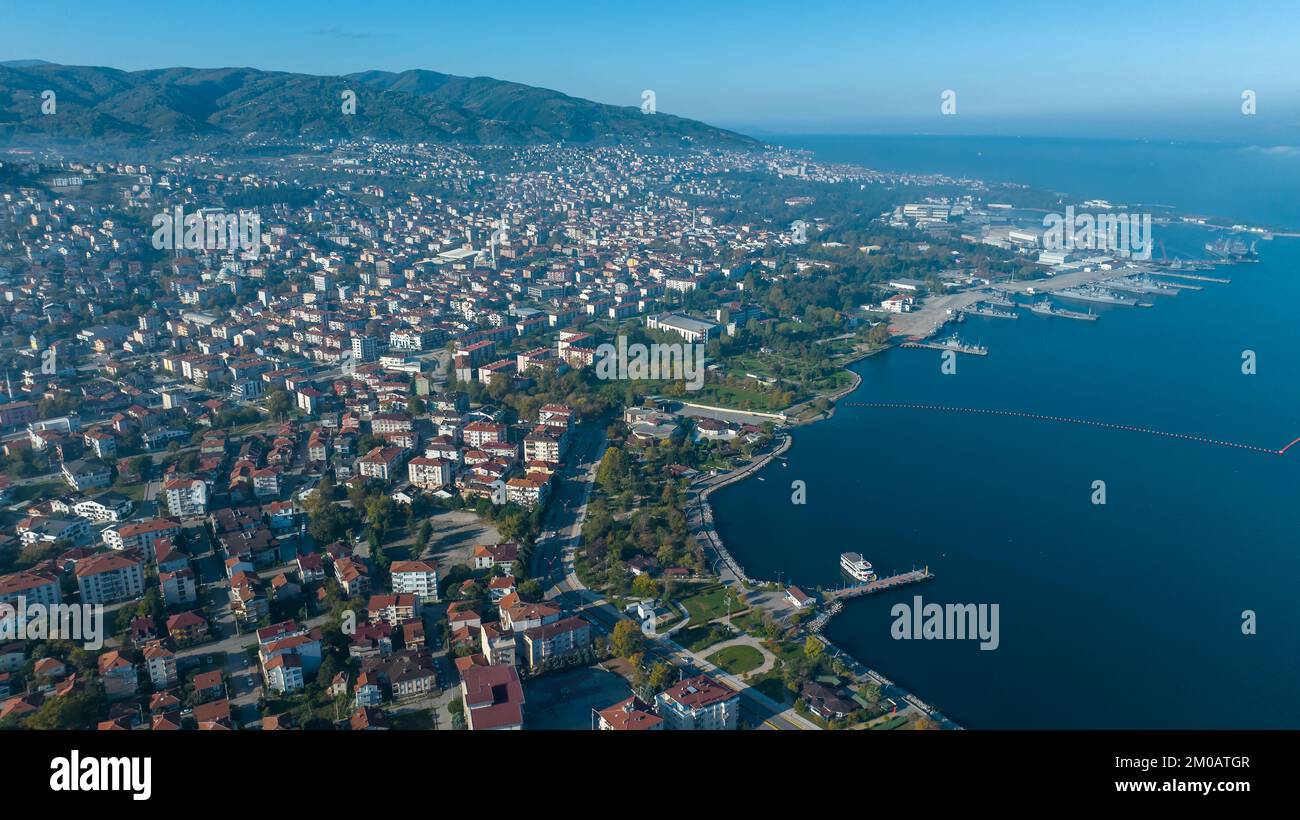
{"x": 856, "y": 567}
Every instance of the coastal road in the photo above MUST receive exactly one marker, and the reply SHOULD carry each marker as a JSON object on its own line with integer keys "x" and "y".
{"x": 699, "y": 516}
{"x": 554, "y": 564}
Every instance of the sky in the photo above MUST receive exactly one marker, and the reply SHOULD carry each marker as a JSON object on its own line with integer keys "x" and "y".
{"x": 1168, "y": 70}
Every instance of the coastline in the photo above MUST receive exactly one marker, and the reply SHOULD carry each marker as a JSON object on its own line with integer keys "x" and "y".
{"x": 700, "y": 521}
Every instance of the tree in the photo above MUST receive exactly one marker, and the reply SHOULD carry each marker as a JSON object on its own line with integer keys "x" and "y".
{"x": 645, "y": 587}
{"x": 279, "y": 403}
{"x": 328, "y": 521}
{"x": 75, "y": 710}
{"x": 422, "y": 535}
{"x": 879, "y": 334}
{"x": 812, "y": 648}
{"x": 612, "y": 468}
{"x": 661, "y": 675}
{"x": 626, "y": 639}
{"x": 531, "y": 590}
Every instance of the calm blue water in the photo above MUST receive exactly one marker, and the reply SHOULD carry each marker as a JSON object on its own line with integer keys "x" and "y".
{"x": 1245, "y": 183}
{"x": 1122, "y": 615}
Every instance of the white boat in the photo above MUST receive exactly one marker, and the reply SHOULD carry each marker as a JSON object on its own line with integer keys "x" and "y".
{"x": 856, "y": 567}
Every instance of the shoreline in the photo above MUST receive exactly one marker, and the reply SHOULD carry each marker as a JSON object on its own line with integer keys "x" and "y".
{"x": 859, "y": 668}
{"x": 704, "y": 527}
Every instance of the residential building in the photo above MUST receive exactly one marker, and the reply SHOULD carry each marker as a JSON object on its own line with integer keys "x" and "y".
{"x": 418, "y": 578}
{"x": 110, "y": 577}
{"x": 552, "y": 644}
{"x": 632, "y": 714}
{"x": 186, "y": 497}
{"x": 85, "y": 474}
{"x": 699, "y": 703}
{"x": 492, "y": 697}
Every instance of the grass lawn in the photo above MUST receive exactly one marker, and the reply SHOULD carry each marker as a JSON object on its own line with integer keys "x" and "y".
{"x": 38, "y": 489}
{"x": 700, "y": 638}
{"x": 892, "y": 723}
{"x": 738, "y": 398}
{"x": 707, "y": 604}
{"x": 737, "y": 660}
{"x": 750, "y": 622}
{"x": 135, "y": 491}
{"x": 787, "y": 651}
{"x": 421, "y": 720}
{"x": 772, "y": 686}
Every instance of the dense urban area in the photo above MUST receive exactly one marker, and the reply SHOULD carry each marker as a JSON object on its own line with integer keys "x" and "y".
{"x": 320, "y": 431}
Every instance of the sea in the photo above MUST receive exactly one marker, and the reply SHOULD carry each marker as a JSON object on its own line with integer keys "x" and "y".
{"x": 1173, "y": 604}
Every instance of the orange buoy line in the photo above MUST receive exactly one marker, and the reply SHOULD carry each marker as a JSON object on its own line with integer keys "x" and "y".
{"x": 1067, "y": 420}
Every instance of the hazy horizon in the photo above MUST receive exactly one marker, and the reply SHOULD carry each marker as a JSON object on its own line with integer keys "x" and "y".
{"x": 1162, "y": 72}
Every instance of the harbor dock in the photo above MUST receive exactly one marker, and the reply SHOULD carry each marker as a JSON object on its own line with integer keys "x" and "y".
{"x": 974, "y": 350}
{"x": 880, "y": 584}
{"x": 1193, "y": 276}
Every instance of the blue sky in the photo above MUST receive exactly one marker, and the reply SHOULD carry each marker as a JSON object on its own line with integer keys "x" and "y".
{"x": 1102, "y": 68}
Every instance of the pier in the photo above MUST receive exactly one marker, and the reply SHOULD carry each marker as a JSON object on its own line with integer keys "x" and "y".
{"x": 1192, "y": 276}
{"x": 880, "y": 584}
{"x": 971, "y": 349}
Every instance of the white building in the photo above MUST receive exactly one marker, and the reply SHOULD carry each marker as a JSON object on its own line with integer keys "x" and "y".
{"x": 692, "y": 330}
{"x": 699, "y": 703}
{"x": 429, "y": 473}
{"x": 110, "y": 577}
{"x": 32, "y": 587}
{"x": 186, "y": 497}
{"x": 418, "y": 578}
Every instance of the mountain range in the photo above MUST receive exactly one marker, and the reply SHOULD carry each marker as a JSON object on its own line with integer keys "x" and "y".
{"x": 246, "y": 104}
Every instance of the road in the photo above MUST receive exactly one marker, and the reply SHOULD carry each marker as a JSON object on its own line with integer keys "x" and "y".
{"x": 554, "y": 558}
{"x": 568, "y": 508}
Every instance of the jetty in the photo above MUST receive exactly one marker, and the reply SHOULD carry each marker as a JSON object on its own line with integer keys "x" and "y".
{"x": 959, "y": 347}
{"x": 880, "y": 584}
{"x": 1193, "y": 276}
